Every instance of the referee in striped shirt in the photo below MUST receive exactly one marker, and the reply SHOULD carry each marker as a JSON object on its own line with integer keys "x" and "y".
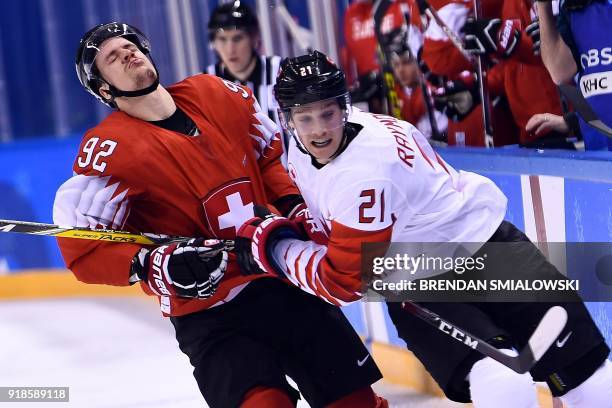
{"x": 233, "y": 31}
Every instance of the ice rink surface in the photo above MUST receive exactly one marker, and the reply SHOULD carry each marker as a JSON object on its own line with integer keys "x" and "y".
{"x": 112, "y": 352}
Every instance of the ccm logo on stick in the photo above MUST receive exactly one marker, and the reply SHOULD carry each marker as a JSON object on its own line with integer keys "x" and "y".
{"x": 457, "y": 334}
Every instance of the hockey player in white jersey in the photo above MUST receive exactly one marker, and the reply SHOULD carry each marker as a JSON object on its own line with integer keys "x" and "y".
{"x": 371, "y": 178}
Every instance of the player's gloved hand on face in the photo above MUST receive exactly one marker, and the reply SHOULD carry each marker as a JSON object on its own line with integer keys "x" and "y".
{"x": 457, "y": 98}
{"x": 301, "y": 216}
{"x": 533, "y": 31}
{"x": 190, "y": 269}
{"x": 256, "y": 238}
{"x": 491, "y": 35}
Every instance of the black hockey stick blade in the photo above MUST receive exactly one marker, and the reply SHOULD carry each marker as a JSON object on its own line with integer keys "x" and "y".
{"x": 547, "y": 331}
{"x": 583, "y": 108}
{"x": 35, "y": 228}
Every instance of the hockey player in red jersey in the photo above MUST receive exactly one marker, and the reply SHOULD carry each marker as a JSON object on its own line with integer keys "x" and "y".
{"x": 192, "y": 160}
{"x": 518, "y": 73}
{"x": 527, "y": 83}
{"x": 370, "y": 178}
{"x": 411, "y": 86}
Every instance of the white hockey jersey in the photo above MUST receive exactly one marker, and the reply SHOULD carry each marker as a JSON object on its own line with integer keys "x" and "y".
{"x": 387, "y": 185}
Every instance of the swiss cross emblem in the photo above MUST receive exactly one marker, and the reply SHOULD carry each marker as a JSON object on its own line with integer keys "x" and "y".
{"x": 227, "y": 207}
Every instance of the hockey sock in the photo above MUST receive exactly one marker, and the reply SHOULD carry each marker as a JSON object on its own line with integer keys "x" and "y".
{"x": 596, "y": 391}
{"x": 266, "y": 397}
{"x": 495, "y": 385}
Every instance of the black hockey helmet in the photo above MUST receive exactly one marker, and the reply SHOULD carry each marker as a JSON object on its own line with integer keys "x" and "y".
{"x": 395, "y": 43}
{"x": 89, "y": 46}
{"x": 308, "y": 78}
{"x": 232, "y": 15}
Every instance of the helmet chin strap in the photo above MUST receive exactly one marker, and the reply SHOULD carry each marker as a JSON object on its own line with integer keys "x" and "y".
{"x": 116, "y": 93}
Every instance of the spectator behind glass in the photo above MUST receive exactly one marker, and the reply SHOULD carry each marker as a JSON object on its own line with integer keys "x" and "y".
{"x": 412, "y": 88}
{"x": 360, "y": 55}
{"x": 579, "y": 43}
{"x": 457, "y": 92}
{"x": 526, "y": 82}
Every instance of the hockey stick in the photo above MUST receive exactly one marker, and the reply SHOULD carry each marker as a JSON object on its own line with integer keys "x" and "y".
{"x": 583, "y": 108}
{"x": 483, "y": 88}
{"x": 544, "y": 335}
{"x": 427, "y": 98}
{"x": 429, "y": 11}
{"x": 301, "y": 36}
{"x": 393, "y": 103}
{"x": 36, "y": 228}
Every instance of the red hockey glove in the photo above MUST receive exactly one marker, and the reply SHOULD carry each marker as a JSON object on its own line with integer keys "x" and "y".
{"x": 190, "y": 269}
{"x": 256, "y": 238}
{"x": 300, "y": 215}
{"x": 486, "y": 35}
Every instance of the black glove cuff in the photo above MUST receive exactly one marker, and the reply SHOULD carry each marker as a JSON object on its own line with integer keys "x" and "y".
{"x": 287, "y": 203}
{"x": 138, "y": 267}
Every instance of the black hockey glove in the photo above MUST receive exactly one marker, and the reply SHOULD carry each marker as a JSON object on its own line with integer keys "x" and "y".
{"x": 368, "y": 86}
{"x": 456, "y": 99}
{"x": 189, "y": 269}
{"x": 486, "y": 35}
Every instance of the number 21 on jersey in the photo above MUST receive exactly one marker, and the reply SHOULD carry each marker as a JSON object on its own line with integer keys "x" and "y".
{"x": 372, "y": 207}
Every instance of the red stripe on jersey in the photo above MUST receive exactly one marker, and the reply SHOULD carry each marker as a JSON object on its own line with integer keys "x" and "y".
{"x": 337, "y": 277}
{"x": 320, "y": 289}
{"x": 340, "y": 270}
{"x": 310, "y": 272}
{"x": 323, "y": 293}
{"x": 296, "y": 265}
{"x": 423, "y": 153}
{"x": 441, "y": 162}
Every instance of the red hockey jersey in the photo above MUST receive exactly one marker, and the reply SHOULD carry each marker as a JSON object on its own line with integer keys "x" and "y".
{"x": 135, "y": 176}
{"x": 522, "y": 77}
